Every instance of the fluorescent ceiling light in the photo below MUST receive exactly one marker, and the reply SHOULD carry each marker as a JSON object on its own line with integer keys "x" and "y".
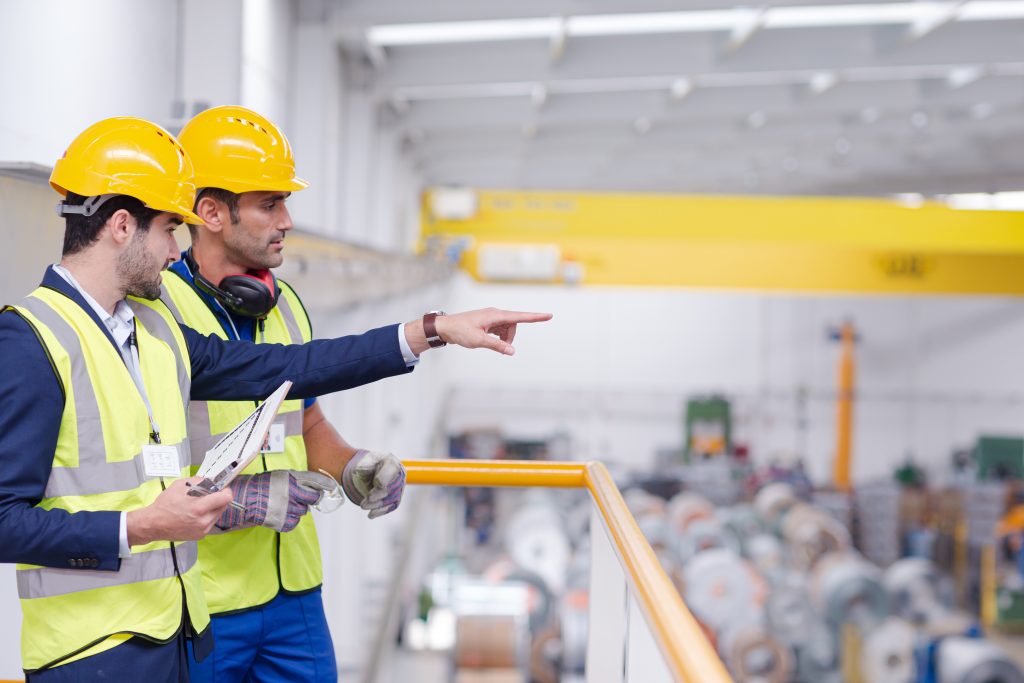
{"x": 990, "y": 11}
{"x": 680, "y": 87}
{"x": 982, "y": 201}
{"x": 921, "y": 13}
{"x": 653, "y": 22}
{"x": 462, "y": 32}
{"x": 850, "y": 15}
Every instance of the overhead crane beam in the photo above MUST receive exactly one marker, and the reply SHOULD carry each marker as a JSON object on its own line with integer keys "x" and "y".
{"x": 775, "y": 244}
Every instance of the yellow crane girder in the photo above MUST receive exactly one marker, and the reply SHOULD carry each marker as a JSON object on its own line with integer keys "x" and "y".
{"x": 761, "y": 243}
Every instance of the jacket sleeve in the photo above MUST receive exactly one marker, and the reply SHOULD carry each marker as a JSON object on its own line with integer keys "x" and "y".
{"x": 238, "y": 370}
{"x": 31, "y": 407}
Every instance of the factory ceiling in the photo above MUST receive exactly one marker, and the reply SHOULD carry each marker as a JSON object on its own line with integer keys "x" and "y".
{"x": 790, "y": 98}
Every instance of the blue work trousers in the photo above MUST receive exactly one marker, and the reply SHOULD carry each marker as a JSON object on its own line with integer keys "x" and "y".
{"x": 284, "y": 641}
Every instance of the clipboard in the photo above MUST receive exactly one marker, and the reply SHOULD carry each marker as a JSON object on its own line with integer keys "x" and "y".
{"x": 239, "y": 447}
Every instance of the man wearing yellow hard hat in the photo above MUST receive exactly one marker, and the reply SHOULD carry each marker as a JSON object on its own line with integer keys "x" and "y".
{"x": 94, "y": 447}
{"x": 268, "y": 615}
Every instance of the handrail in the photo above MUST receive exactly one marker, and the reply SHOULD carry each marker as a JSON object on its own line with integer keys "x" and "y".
{"x": 687, "y": 652}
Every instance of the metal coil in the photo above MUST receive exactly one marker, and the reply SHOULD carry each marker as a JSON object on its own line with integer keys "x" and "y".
{"x": 686, "y": 508}
{"x": 848, "y": 588}
{"x": 721, "y": 589}
{"x": 740, "y": 523}
{"x": 812, "y": 533}
{"x": 752, "y": 655}
{"x": 766, "y": 553}
{"x": 772, "y": 501}
{"x": 970, "y": 660}
{"x": 788, "y": 613}
{"x": 536, "y": 541}
{"x": 887, "y": 653}
{"x": 700, "y": 535}
{"x": 917, "y": 590}
{"x": 818, "y": 656}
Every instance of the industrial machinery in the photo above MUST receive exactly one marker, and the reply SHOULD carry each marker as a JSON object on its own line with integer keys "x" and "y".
{"x": 708, "y": 428}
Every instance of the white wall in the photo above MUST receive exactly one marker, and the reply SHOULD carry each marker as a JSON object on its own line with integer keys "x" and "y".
{"x": 66, "y": 64}
{"x": 615, "y": 365}
{"x": 266, "y": 53}
{"x": 212, "y": 54}
{"x": 398, "y": 415}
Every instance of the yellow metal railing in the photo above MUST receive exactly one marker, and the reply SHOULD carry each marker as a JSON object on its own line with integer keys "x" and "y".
{"x": 687, "y": 652}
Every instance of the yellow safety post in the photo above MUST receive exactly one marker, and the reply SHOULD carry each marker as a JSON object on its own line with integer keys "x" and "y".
{"x": 844, "y": 408}
{"x": 988, "y": 586}
{"x": 850, "y": 657}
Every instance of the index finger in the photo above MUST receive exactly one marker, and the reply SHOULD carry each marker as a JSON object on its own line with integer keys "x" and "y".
{"x": 520, "y": 317}
{"x": 218, "y": 499}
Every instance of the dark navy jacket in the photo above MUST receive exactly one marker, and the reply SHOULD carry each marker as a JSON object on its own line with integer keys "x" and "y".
{"x": 32, "y": 403}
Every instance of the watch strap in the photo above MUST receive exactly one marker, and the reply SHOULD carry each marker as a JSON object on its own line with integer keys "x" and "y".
{"x": 430, "y": 330}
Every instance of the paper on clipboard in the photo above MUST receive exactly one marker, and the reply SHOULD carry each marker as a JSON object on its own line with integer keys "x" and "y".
{"x": 239, "y": 447}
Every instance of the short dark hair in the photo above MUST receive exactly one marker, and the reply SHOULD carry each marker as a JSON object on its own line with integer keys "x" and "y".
{"x": 229, "y": 198}
{"x": 81, "y": 231}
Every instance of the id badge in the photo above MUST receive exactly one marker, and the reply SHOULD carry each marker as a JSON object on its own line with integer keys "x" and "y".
{"x": 161, "y": 461}
{"x": 275, "y": 440}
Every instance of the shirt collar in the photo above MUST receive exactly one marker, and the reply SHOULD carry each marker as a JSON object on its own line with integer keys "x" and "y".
{"x": 120, "y": 324}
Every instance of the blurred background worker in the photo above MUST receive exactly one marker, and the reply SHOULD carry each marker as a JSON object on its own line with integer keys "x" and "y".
{"x": 268, "y": 613}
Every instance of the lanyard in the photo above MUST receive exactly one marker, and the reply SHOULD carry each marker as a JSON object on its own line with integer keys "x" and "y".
{"x": 135, "y": 370}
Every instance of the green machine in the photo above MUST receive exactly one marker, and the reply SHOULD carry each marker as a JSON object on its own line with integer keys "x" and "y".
{"x": 999, "y": 458}
{"x": 708, "y": 428}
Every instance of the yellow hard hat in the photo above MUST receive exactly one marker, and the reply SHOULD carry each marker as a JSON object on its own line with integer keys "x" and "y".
{"x": 129, "y": 156}
{"x": 238, "y": 150}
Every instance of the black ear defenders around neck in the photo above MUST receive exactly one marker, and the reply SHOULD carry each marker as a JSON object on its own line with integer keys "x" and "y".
{"x": 252, "y": 295}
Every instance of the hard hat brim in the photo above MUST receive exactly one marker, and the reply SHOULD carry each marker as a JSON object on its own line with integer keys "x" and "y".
{"x": 243, "y": 186}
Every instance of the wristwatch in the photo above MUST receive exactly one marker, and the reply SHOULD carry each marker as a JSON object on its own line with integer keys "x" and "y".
{"x": 430, "y": 330}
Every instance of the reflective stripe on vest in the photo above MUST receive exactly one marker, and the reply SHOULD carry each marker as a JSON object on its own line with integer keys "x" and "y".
{"x": 290, "y": 561}
{"x": 43, "y": 582}
{"x": 97, "y": 466}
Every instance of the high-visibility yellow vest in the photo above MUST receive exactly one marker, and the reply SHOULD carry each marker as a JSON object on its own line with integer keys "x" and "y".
{"x": 248, "y": 567}
{"x": 98, "y": 465}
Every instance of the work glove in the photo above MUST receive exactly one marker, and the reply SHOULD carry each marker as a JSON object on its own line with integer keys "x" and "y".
{"x": 277, "y": 499}
{"x": 374, "y": 482}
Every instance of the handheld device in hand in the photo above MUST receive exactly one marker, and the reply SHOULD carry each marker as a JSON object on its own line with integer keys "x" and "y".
{"x": 239, "y": 447}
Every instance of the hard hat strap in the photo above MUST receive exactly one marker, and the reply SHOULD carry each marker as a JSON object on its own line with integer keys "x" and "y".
{"x": 87, "y": 208}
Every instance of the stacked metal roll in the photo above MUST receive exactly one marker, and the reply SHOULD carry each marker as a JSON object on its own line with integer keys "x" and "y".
{"x": 772, "y": 502}
{"x": 887, "y": 653}
{"x": 740, "y": 523}
{"x": 536, "y": 541}
{"x": 811, "y": 533}
{"x": 752, "y": 654}
{"x": 972, "y": 660}
{"x": 722, "y": 589}
{"x": 846, "y": 588}
{"x": 918, "y": 592}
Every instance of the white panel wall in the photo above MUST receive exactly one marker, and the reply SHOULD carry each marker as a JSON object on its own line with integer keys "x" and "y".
{"x": 617, "y": 364}
{"x": 266, "y": 54}
{"x": 398, "y": 415}
{"x": 316, "y": 127}
{"x": 67, "y": 64}
{"x": 212, "y": 59}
